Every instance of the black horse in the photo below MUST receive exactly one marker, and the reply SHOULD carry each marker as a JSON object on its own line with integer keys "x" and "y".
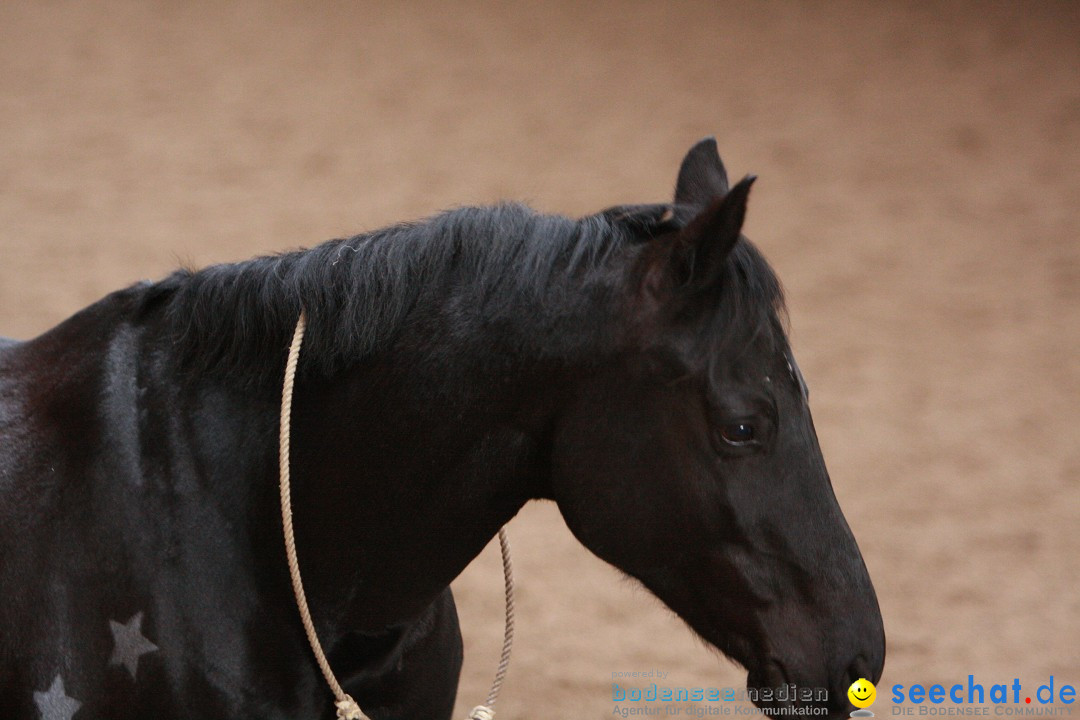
{"x": 631, "y": 365}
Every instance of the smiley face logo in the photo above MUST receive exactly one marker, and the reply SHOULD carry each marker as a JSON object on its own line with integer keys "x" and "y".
{"x": 862, "y": 693}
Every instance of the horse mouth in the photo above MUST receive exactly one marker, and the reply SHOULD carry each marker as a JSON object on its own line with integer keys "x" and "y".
{"x": 763, "y": 685}
{"x": 770, "y": 687}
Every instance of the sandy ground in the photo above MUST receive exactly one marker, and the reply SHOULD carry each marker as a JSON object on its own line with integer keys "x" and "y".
{"x": 919, "y": 190}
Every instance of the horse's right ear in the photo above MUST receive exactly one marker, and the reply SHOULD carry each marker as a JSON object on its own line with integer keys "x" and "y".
{"x": 702, "y": 177}
{"x": 691, "y": 259}
{"x": 711, "y": 236}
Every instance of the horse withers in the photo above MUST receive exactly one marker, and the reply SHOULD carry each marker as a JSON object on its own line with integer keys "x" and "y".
{"x": 631, "y": 366}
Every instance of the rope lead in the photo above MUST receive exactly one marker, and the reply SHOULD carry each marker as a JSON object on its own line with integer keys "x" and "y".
{"x": 347, "y": 709}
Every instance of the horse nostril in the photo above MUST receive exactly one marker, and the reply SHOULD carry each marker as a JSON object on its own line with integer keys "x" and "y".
{"x": 869, "y": 668}
{"x": 859, "y": 668}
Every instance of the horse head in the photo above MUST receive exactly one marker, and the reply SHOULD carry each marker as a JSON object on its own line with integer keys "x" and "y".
{"x": 690, "y": 460}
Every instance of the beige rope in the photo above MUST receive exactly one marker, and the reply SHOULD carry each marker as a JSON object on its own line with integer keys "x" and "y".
{"x": 347, "y": 709}
{"x": 487, "y": 712}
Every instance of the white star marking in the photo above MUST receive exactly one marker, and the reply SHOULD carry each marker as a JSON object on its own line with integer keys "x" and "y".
{"x": 54, "y": 703}
{"x": 129, "y": 644}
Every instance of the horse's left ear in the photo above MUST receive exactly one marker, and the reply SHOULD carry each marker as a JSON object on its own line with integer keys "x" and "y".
{"x": 707, "y": 239}
{"x": 702, "y": 177}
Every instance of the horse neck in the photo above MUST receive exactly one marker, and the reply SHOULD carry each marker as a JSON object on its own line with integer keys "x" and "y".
{"x": 407, "y": 462}
{"x": 403, "y": 470}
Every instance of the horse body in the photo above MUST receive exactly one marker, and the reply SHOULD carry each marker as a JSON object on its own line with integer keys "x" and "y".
{"x": 123, "y": 494}
{"x": 629, "y": 366}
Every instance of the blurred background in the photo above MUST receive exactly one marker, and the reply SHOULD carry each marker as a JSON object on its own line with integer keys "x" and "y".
{"x": 919, "y": 190}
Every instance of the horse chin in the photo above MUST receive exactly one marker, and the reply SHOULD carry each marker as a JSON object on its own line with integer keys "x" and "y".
{"x": 768, "y": 676}
{"x": 773, "y": 689}
{"x": 764, "y": 673}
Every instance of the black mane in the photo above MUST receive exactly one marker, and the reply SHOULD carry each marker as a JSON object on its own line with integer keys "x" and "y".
{"x": 358, "y": 291}
{"x": 501, "y": 263}
{"x": 750, "y": 303}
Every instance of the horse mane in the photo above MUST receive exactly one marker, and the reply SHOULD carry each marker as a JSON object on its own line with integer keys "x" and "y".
{"x": 504, "y": 264}
{"x": 750, "y": 304}
{"x": 359, "y": 291}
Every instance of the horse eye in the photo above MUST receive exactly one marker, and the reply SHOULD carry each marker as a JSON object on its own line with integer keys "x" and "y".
{"x": 737, "y": 433}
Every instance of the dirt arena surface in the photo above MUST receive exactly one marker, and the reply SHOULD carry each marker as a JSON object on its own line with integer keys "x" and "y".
{"x": 919, "y": 191}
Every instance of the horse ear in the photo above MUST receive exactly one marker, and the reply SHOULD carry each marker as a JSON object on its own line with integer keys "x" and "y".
{"x": 702, "y": 177}
{"x": 712, "y": 234}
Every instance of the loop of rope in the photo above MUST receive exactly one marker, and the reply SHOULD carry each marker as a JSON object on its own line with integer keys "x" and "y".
{"x": 487, "y": 712}
{"x": 347, "y": 709}
{"x": 482, "y": 712}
